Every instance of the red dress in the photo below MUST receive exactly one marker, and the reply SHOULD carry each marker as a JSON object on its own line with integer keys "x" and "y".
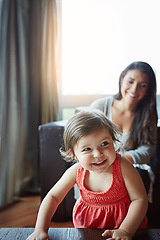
{"x": 103, "y": 209}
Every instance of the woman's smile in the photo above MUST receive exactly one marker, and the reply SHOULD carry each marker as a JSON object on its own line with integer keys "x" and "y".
{"x": 132, "y": 95}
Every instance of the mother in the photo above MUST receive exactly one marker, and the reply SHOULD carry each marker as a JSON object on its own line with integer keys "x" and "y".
{"x": 133, "y": 109}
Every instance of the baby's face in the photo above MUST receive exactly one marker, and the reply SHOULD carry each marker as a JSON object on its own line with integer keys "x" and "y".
{"x": 95, "y": 151}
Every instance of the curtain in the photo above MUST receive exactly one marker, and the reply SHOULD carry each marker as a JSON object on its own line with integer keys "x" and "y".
{"x": 28, "y": 90}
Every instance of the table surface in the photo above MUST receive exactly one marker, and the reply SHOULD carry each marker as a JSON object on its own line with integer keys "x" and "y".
{"x": 73, "y": 234}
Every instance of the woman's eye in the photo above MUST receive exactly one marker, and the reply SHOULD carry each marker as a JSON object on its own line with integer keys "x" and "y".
{"x": 86, "y": 149}
{"x": 105, "y": 143}
{"x": 130, "y": 81}
{"x": 143, "y": 85}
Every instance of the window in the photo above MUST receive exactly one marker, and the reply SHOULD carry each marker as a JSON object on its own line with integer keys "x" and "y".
{"x": 99, "y": 39}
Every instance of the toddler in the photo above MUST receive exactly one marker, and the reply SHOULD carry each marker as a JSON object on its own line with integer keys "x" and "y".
{"x": 112, "y": 192}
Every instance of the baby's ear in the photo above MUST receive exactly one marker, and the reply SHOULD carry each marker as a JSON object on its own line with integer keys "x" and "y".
{"x": 74, "y": 156}
{"x": 71, "y": 151}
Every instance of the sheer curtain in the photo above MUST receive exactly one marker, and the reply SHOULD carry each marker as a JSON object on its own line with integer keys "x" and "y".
{"x": 28, "y": 92}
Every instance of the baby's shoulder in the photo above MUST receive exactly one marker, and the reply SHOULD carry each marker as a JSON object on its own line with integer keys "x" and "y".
{"x": 72, "y": 170}
{"x": 129, "y": 172}
{"x": 126, "y": 166}
{"x": 75, "y": 166}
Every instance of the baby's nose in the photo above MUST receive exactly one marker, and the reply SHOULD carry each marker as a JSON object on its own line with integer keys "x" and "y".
{"x": 97, "y": 153}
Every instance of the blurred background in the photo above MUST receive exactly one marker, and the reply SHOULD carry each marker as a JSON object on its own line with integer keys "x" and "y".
{"x": 56, "y": 55}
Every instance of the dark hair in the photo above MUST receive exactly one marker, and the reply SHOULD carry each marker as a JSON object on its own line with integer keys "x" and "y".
{"x": 82, "y": 124}
{"x": 146, "y": 111}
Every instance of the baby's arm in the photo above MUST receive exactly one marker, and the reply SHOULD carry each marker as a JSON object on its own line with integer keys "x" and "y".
{"x": 51, "y": 202}
{"x": 139, "y": 203}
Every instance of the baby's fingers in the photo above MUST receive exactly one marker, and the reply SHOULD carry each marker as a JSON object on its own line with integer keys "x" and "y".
{"x": 117, "y": 234}
{"x": 108, "y": 233}
{"x": 38, "y": 236}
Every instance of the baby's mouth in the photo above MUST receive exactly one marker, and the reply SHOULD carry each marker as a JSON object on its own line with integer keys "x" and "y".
{"x": 99, "y": 163}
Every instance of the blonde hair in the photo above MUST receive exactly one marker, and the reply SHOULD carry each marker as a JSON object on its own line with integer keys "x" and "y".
{"x": 82, "y": 124}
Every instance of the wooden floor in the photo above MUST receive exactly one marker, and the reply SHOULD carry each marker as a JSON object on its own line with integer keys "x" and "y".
{"x": 23, "y": 213}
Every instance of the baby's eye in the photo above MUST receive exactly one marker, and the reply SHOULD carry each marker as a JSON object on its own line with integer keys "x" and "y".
{"x": 105, "y": 143}
{"x": 86, "y": 149}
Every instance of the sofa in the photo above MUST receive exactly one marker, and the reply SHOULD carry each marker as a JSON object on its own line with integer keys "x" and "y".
{"x": 52, "y": 166}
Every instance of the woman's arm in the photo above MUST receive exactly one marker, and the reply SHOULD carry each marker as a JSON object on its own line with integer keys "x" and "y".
{"x": 140, "y": 155}
{"x": 139, "y": 203}
{"x": 51, "y": 202}
{"x": 103, "y": 104}
{"x": 143, "y": 153}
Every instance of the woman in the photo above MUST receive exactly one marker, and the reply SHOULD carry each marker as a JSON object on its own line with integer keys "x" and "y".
{"x": 134, "y": 110}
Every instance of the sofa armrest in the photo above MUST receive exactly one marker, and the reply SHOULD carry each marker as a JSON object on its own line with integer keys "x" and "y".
{"x": 52, "y": 165}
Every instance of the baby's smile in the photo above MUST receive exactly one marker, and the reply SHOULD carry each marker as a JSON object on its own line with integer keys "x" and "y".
{"x": 100, "y": 163}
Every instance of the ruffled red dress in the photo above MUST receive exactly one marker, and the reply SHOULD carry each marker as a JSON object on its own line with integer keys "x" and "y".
{"x": 102, "y": 209}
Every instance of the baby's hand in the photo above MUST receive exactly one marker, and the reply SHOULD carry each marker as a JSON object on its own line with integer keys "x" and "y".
{"x": 38, "y": 235}
{"x": 119, "y": 234}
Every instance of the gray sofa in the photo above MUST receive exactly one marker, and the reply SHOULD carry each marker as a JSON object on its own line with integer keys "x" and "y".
{"x": 52, "y": 167}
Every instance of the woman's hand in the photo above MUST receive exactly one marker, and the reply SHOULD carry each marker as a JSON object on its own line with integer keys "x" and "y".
{"x": 38, "y": 235}
{"x": 117, "y": 234}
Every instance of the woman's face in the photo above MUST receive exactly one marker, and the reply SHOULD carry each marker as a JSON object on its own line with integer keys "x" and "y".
{"x": 134, "y": 86}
